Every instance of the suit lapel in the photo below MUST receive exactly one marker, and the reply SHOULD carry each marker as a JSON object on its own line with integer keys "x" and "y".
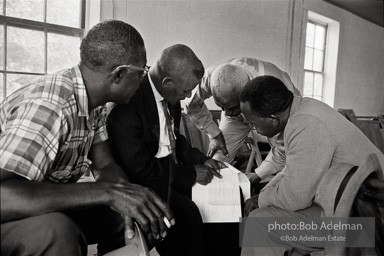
{"x": 150, "y": 107}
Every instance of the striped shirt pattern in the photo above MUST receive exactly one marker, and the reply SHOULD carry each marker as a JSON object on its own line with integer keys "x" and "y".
{"x": 46, "y": 130}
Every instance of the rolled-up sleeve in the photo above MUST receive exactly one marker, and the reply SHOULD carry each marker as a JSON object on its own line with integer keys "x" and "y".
{"x": 198, "y": 111}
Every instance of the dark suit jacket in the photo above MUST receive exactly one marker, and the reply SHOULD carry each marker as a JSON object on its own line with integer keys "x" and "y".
{"x": 134, "y": 131}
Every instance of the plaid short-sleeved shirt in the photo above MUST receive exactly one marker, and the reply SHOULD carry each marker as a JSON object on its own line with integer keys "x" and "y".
{"x": 46, "y": 131}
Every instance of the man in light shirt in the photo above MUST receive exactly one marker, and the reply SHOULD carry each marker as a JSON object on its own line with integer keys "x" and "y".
{"x": 224, "y": 82}
{"x": 142, "y": 135}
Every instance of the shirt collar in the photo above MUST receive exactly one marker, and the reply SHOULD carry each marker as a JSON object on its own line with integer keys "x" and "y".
{"x": 157, "y": 95}
{"x": 296, "y": 102}
{"x": 80, "y": 91}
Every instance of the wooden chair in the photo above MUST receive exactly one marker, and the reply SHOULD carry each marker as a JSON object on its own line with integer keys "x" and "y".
{"x": 257, "y": 153}
{"x": 350, "y": 115}
{"x": 194, "y": 136}
{"x": 374, "y": 130}
{"x": 371, "y": 126}
{"x": 250, "y": 149}
{"x": 345, "y": 193}
{"x": 134, "y": 247}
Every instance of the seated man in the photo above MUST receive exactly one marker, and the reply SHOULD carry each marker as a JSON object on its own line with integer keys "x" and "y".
{"x": 147, "y": 144}
{"x": 317, "y": 140}
{"x": 224, "y": 82}
{"x": 51, "y": 132}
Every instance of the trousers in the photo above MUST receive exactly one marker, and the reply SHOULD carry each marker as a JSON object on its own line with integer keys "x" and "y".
{"x": 64, "y": 234}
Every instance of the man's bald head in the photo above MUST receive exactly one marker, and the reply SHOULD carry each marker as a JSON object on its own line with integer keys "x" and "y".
{"x": 179, "y": 60}
{"x": 227, "y": 80}
{"x": 176, "y": 73}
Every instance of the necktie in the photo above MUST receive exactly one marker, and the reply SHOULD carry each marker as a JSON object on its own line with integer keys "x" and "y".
{"x": 171, "y": 135}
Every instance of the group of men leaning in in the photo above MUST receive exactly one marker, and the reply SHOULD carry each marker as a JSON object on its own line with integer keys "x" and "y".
{"x": 57, "y": 128}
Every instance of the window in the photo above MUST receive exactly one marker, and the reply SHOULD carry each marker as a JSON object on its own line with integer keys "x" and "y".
{"x": 314, "y": 60}
{"x": 320, "y": 62}
{"x": 38, "y": 37}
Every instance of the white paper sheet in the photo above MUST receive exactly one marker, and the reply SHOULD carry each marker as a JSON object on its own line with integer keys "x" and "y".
{"x": 219, "y": 201}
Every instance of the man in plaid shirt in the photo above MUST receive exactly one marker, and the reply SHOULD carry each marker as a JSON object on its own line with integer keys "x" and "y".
{"x": 51, "y": 132}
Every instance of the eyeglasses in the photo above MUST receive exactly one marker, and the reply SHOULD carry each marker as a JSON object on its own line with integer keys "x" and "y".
{"x": 252, "y": 126}
{"x": 235, "y": 110}
{"x": 143, "y": 70}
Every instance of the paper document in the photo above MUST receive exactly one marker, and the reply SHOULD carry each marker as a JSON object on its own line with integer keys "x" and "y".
{"x": 219, "y": 201}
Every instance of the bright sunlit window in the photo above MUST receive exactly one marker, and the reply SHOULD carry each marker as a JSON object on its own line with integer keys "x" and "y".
{"x": 38, "y": 37}
{"x": 314, "y": 60}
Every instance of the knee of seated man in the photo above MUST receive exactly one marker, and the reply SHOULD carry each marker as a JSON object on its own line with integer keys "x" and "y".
{"x": 46, "y": 234}
{"x": 262, "y": 212}
{"x": 187, "y": 213}
{"x": 192, "y": 211}
{"x": 59, "y": 228}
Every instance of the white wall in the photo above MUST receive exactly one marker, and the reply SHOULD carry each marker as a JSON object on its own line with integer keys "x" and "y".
{"x": 360, "y": 69}
{"x": 270, "y": 30}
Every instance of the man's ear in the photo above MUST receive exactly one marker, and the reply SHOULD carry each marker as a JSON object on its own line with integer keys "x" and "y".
{"x": 275, "y": 119}
{"x": 117, "y": 76}
{"x": 167, "y": 81}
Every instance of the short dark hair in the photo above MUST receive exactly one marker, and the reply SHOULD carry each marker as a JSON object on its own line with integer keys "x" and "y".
{"x": 178, "y": 59}
{"x": 267, "y": 95}
{"x": 109, "y": 43}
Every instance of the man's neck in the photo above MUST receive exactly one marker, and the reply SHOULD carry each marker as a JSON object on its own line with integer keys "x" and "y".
{"x": 156, "y": 78}
{"x": 92, "y": 81}
{"x": 284, "y": 116}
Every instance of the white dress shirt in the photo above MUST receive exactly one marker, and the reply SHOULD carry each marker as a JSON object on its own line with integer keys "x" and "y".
{"x": 164, "y": 143}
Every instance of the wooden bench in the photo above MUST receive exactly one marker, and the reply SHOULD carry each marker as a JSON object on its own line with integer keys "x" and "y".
{"x": 371, "y": 126}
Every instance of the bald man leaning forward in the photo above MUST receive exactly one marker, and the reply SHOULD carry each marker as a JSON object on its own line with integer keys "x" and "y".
{"x": 142, "y": 144}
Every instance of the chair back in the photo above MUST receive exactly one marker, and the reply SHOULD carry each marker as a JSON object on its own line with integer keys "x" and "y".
{"x": 371, "y": 126}
{"x": 338, "y": 192}
{"x": 195, "y": 137}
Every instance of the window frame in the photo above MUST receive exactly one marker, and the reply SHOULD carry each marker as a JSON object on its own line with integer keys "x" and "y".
{"x": 322, "y": 72}
{"x": 43, "y": 26}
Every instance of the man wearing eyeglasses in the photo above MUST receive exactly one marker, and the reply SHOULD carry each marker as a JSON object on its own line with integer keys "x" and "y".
{"x": 52, "y": 132}
{"x": 224, "y": 82}
{"x": 144, "y": 136}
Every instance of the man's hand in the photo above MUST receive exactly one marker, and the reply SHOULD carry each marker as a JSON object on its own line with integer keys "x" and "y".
{"x": 144, "y": 206}
{"x": 251, "y": 204}
{"x": 215, "y": 165}
{"x": 217, "y": 143}
{"x": 255, "y": 181}
{"x": 204, "y": 174}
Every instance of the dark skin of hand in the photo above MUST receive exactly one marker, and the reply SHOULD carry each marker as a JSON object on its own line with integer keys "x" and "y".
{"x": 217, "y": 143}
{"x": 21, "y": 198}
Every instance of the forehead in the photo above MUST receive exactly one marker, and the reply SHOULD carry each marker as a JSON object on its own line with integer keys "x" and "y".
{"x": 225, "y": 102}
{"x": 139, "y": 57}
{"x": 250, "y": 114}
{"x": 188, "y": 82}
